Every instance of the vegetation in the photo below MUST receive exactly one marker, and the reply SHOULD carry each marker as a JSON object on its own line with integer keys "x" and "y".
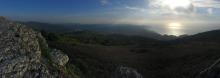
{"x": 95, "y": 55}
{"x": 44, "y": 48}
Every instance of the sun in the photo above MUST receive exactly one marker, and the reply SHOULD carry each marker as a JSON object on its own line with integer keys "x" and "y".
{"x": 173, "y": 4}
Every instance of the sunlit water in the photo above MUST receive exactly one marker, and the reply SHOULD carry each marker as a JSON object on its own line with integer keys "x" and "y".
{"x": 185, "y": 29}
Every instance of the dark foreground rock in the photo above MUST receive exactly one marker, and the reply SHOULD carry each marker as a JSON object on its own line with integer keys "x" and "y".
{"x": 126, "y": 72}
{"x": 21, "y": 54}
{"x": 213, "y": 71}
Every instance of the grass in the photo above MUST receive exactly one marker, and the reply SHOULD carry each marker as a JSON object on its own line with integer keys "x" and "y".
{"x": 69, "y": 70}
{"x": 183, "y": 60}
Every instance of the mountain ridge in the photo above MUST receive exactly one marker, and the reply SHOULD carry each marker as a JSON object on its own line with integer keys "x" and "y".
{"x": 123, "y": 29}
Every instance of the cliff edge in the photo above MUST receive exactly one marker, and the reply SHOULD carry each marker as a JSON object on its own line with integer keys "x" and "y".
{"x": 24, "y": 53}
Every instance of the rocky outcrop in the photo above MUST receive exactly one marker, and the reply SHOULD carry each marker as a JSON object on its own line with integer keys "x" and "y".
{"x": 58, "y": 57}
{"x": 126, "y": 72}
{"x": 21, "y": 53}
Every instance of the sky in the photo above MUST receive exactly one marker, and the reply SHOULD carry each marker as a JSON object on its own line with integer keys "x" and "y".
{"x": 171, "y": 13}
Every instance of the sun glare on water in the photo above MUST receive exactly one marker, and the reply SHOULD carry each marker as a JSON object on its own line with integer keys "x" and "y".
{"x": 175, "y": 28}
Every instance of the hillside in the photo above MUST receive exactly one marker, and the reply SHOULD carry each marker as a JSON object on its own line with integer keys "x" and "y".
{"x": 183, "y": 57}
{"x": 96, "y": 55}
{"x": 209, "y": 36}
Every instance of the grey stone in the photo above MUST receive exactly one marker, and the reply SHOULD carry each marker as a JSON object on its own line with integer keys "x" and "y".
{"x": 21, "y": 55}
{"x": 126, "y": 72}
{"x": 58, "y": 57}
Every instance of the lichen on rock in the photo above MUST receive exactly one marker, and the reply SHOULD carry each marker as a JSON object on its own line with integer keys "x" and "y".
{"x": 21, "y": 53}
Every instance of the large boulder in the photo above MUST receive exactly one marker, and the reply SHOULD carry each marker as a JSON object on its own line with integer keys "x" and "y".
{"x": 126, "y": 72}
{"x": 58, "y": 57}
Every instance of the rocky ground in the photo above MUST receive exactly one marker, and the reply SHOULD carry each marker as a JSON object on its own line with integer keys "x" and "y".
{"x": 22, "y": 54}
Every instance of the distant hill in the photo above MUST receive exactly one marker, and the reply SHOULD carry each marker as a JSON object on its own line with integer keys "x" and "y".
{"x": 123, "y": 29}
{"x": 209, "y": 36}
{"x": 184, "y": 57}
{"x": 47, "y": 27}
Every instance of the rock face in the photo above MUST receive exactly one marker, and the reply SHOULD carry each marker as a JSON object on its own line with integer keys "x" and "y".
{"x": 58, "y": 57}
{"x": 21, "y": 53}
{"x": 126, "y": 72}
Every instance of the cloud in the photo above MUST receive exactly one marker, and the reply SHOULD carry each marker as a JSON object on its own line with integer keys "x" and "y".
{"x": 210, "y": 11}
{"x": 157, "y": 6}
{"x": 206, "y": 3}
{"x": 104, "y": 2}
{"x": 170, "y": 7}
{"x": 136, "y": 8}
